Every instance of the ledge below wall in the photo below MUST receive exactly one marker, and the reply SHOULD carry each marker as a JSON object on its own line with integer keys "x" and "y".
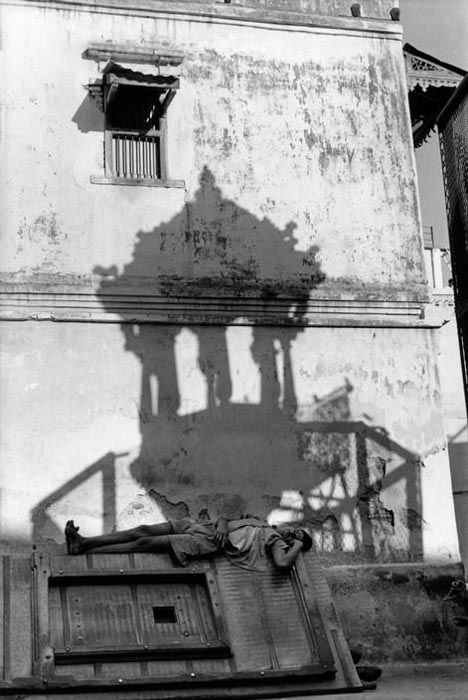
{"x": 185, "y": 302}
{"x": 400, "y": 612}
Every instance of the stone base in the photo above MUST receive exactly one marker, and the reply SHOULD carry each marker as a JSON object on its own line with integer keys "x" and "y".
{"x": 401, "y": 612}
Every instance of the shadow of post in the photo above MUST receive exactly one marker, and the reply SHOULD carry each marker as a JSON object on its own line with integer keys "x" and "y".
{"x": 44, "y": 526}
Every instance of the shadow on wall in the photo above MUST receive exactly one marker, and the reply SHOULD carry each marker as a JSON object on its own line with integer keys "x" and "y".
{"x": 458, "y": 456}
{"x": 234, "y": 457}
{"x": 458, "y": 452}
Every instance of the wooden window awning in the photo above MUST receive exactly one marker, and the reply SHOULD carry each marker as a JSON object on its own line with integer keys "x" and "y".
{"x": 154, "y": 54}
{"x": 118, "y": 74}
{"x": 115, "y": 75}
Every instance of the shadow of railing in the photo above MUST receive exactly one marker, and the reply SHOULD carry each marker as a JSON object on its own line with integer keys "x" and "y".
{"x": 323, "y": 506}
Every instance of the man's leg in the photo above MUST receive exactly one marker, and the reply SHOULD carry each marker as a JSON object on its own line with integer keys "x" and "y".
{"x": 77, "y": 544}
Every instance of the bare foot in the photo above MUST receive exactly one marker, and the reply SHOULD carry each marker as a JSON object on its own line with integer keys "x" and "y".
{"x": 75, "y": 542}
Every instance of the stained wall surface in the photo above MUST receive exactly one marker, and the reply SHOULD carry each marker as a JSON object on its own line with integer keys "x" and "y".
{"x": 280, "y": 422}
{"x": 275, "y": 357}
{"x": 302, "y": 130}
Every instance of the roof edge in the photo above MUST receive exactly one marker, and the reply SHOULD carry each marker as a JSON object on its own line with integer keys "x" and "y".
{"x": 454, "y": 102}
{"x": 409, "y": 48}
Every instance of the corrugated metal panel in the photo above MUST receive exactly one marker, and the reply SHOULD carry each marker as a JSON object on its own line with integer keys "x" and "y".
{"x": 167, "y": 668}
{"x": 66, "y": 564}
{"x": 112, "y": 562}
{"x": 316, "y": 576}
{"x": 217, "y": 667}
{"x": 244, "y": 621}
{"x": 152, "y": 561}
{"x": 329, "y": 635}
{"x": 100, "y": 615}
{"x": 20, "y": 617}
{"x": 188, "y": 626}
{"x": 56, "y": 618}
{"x": 285, "y": 620}
{"x": 78, "y": 671}
{"x": 125, "y": 669}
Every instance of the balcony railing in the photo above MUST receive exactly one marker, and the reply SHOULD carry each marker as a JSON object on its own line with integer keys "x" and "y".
{"x": 438, "y": 267}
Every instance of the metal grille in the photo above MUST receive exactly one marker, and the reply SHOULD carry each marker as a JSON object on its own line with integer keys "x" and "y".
{"x": 136, "y": 156}
{"x": 454, "y": 152}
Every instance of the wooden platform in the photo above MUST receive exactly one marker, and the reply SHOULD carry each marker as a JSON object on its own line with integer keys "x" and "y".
{"x": 138, "y": 626}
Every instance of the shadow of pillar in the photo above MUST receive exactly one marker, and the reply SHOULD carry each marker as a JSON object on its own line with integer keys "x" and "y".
{"x": 363, "y": 502}
{"x": 109, "y": 495}
{"x": 42, "y": 519}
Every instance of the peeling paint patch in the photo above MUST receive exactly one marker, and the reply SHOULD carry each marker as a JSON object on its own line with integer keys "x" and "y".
{"x": 39, "y": 242}
{"x": 43, "y": 228}
{"x": 171, "y": 510}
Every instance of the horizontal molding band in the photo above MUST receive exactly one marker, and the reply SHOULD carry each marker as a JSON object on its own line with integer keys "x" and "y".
{"x": 226, "y": 310}
{"x": 227, "y": 13}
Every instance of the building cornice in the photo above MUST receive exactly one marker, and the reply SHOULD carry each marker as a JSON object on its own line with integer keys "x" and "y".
{"x": 138, "y": 303}
{"x": 223, "y": 13}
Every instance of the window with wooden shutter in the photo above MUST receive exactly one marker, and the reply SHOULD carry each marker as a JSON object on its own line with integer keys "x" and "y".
{"x": 134, "y": 90}
{"x": 136, "y": 108}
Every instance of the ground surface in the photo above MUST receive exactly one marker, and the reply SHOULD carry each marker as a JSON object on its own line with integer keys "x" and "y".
{"x": 421, "y": 682}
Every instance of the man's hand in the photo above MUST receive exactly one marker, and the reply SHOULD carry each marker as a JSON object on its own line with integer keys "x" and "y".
{"x": 285, "y": 558}
{"x": 221, "y": 534}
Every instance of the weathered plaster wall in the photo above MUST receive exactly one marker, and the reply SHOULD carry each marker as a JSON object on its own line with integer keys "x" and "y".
{"x": 453, "y": 400}
{"x": 295, "y": 148}
{"x": 328, "y": 107}
{"x": 277, "y": 422}
{"x": 369, "y": 8}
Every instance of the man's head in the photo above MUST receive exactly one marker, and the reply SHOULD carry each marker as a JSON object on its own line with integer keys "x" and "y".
{"x": 289, "y": 533}
{"x": 303, "y": 535}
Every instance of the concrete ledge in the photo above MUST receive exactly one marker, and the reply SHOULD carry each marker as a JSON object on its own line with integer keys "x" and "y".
{"x": 135, "y": 182}
{"x": 429, "y": 669}
{"x": 222, "y": 310}
{"x": 222, "y": 300}
{"x": 400, "y": 613}
{"x": 418, "y": 682}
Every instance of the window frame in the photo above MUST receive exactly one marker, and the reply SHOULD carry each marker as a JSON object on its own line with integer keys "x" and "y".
{"x": 167, "y": 90}
{"x": 167, "y": 62}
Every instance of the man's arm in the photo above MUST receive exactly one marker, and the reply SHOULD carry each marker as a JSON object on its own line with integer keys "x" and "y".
{"x": 221, "y": 532}
{"x": 285, "y": 558}
{"x": 223, "y": 527}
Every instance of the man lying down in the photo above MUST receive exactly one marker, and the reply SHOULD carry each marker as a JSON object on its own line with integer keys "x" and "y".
{"x": 249, "y": 542}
